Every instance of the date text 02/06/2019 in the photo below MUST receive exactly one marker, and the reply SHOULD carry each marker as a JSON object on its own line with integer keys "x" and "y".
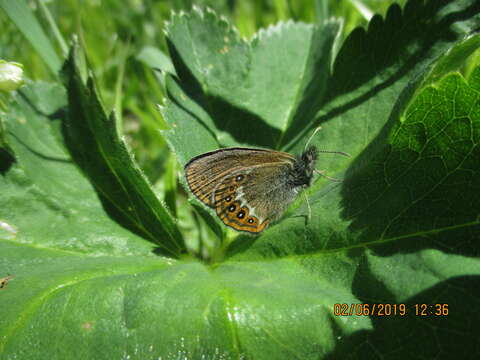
{"x": 381, "y": 309}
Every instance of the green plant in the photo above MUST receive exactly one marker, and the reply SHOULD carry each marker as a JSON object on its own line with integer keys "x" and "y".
{"x": 101, "y": 266}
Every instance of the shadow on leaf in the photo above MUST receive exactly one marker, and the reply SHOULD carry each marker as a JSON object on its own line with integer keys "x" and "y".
{"x": 244, "y": 126}
{"x": 419, "y": 336}
{"x": 370, "y": 53}
{"x": 414, "y": 187}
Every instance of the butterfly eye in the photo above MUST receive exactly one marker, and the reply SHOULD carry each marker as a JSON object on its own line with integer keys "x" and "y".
{"x": 239, "y": 178}
{"x": 232, "y": 208}
{"x": 228, "y": 198}
{"x": 250, "y": 221}
{"x": 241, "y": 214}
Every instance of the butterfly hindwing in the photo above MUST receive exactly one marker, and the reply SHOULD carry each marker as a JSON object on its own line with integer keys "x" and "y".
{"x": 232, "y": 208}
{"x": 250, "y": 198}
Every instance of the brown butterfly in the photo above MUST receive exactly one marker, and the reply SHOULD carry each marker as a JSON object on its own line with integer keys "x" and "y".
{"x": 250, "y": 188}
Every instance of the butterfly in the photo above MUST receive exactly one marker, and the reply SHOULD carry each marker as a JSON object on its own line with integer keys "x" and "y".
{"x": 250, "y": 188}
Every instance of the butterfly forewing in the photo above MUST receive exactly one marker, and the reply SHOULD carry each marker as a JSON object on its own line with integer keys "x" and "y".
{"x": 204, "y": 172}
{"x": 240, "y": 183}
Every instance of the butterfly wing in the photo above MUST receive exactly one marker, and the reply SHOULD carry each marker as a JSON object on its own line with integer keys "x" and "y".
{"x": 247, "y": 187}
{"x": 206, "y": 171}
{"x": 251, "y": 198}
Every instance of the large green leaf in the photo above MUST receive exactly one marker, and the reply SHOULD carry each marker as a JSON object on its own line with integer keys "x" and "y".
{"x": 233, "y": 92}
{"x": 402, "y": 228}
{"x": 97, "y": 148}
{"x": 44, "y": 197}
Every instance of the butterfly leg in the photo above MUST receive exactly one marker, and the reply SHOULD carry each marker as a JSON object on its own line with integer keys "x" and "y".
{"x": 309, "y": 215}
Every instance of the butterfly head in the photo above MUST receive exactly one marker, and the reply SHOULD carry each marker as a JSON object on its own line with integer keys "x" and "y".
{"x": 303, "y": 168}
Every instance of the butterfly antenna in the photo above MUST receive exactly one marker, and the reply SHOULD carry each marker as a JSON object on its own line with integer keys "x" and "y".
{"x": 326, "y": 176}
{"x": 311, "y": 136}
{"x": 335, "y": 152}
{"x": 324, "y": 151}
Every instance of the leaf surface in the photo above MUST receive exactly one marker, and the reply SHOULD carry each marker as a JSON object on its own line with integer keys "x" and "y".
{"x": 95, "y": 145}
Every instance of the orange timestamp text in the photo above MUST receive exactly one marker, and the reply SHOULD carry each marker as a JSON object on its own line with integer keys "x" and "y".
{"x": 380, "y": 309}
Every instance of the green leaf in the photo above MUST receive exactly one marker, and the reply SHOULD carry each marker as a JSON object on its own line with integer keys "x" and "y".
{"x": 227, "y": 85}
{"x": 424, "y": 181}
{"x": 454, "y": 59}
{"x": 156, "y": 59}
{"x": 379, "y": 68}
{"x": 93, "y": 140}
{"x": 170, "y": 184}
{"x": 45, "y": 200}
{"x": 321, "y": 11}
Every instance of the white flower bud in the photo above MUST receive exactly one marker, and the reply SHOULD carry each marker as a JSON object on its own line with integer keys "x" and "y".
{"x": 11, "y": 75}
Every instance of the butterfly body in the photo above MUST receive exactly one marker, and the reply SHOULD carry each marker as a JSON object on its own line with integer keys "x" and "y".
{"x": 249, "y": 188}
